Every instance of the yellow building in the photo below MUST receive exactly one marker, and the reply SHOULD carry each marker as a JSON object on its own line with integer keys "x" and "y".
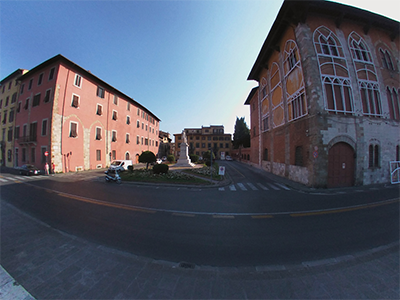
{"x": 203, "y": 139}
{"x": 9, "y": 89}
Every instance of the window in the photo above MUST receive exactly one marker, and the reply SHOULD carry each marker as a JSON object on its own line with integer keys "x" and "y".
{"x": 10, "y": 134}
{"x": 9, "y": 155}
{"x": 6, "y": 104}
{"x": 114, "y": 154}
{"x": 99, "y": 110}
{"x": 16, "y": 132}
{"x": 137, "y": 140}
{"x": 114, "y": 136}
{"x": 30, "y": 84}
{"x": 22, "y": 88}
{"x": 73, "y": 129}
{"x": 142, "y": 125}
{"x": 75, "y": 101}
{"x": 394, "y": 104}
{"x": 78, "y": 80}
{"x": 397, "y": 153}
{"x": 47, "y": 96}
{"x": 127, "y": 138}
{"x": 373, "y": 161}
{"x": 115, "y": 99}
{"x": 146, "y": 141}
{"x": 359, "y": 50}
{"x": 334, "y": 72}
{"x": 100, "y": 92}
{"x": 203, "y": 145}
{"x": 98, "y": 155}
{"x": 11, "y": 116}
{"x": 33, "y": 155}
{"x": 40, "y": 79}
{"x": 5, "y": 117}
{"x": 298, "y": 156}
{"x": 386, "y": 59}
{"x": 138, "y": 124}
{"x": 128, "y": 120}
{"x": 33, "y": 132}
{"x": 128, "y": 106}
{"x": 51, "y": 74}
{"x": 19, "y": 107}
{"x": 23, "y": 158}
{"x": 14, "y": 98}
{"x": 370, "y": 98}
{"x": 265, "y": 124}
{"x": 127, "y": 156}
{"x": 98, "y": 133}
{"x": 9, "y": 85}
{"x": 142, "y": 140}
{"x": 44, "y": 127}
{"x": 114, "y": 115}
{"x": 138, "y": 112}
{"x": 36, "y": 100}
{"x": 26, "y": 106}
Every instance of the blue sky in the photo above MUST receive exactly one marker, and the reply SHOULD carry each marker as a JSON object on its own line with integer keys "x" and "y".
{"x": 186, "y": 61}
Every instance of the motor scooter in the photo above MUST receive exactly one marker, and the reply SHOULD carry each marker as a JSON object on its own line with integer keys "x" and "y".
{"x": 112, "y": 176}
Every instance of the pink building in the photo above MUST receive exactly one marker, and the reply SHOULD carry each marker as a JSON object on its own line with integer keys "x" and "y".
{"x": 78, "y": 120}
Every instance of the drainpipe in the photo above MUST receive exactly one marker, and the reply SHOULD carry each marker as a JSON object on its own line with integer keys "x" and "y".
{"x": 62, "y": 117}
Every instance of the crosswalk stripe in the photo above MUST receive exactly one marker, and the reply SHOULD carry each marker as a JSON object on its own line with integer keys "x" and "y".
{"x": 252, "y": 187}
{"x": 282, "y": 186}
{"x": 221, "y": 189}
{"x": 263, "y": 187}
{"x": 3, "y": 180}
{"x": 232, "y": 187}
{"x": 20, "y": 177}
{"x": 241, "y": 186}
{"x": 273, "y": 186}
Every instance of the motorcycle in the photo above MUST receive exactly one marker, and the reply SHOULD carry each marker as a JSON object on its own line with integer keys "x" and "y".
{"x": 112, "y": 176}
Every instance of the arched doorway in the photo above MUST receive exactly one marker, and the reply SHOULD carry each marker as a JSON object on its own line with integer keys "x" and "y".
{"x": 137, "y": 158}
{"x": 341, "y": 164}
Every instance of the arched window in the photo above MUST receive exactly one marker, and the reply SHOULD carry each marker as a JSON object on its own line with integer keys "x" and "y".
{"x": 386, "y": 59}
{"x": 264, "y": 105}
{"x": 373, "y": 156}
{"x": 366, "y": 76}
{"x": 393, "y": 103}
{"x": 276, "y": 96}
{"x": 127, "y": 156}
{"x": 334, "y": 72}
{"x": 295, "y": 92}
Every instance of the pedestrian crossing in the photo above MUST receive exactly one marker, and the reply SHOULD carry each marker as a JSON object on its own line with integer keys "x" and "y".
{"x": 20, "y": 178}
{"x": 247, "y": 186}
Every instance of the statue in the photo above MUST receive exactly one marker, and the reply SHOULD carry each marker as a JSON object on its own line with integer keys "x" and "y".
{"x": 184, "y": 160}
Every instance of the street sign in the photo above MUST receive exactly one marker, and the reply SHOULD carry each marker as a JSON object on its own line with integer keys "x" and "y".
{"x": 46, "y": 153}
{"x": 221, "y": 171}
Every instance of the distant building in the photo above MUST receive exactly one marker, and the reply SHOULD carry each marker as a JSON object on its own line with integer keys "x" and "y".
{"x": 164, "y": 148}
{"x": 9, "y": 88}
{"x": 78, "y": 120}
{"x": 204, "y": 139}
{"x": 326, "y": 109}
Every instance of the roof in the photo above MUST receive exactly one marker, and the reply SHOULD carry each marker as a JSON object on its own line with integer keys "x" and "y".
{"x": 250, "y": 96}
{"x": 60, "y": 58}
{"x": 294, "y": 12}
{"x": 16, "y": 73}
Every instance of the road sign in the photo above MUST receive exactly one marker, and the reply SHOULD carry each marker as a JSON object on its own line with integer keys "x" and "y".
{"x": 221, "y": 171}
{"x": 46, "y": 153}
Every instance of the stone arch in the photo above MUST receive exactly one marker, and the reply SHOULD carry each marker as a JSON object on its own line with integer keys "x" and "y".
{"x": 342, "y": 138}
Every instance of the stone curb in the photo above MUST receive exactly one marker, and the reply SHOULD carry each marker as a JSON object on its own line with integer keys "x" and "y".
{"x": 10, "y": 289}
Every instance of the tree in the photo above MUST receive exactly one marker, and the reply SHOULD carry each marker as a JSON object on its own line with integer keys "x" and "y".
{"x": 147, "y": 157}
{"x": 241, "y": 136}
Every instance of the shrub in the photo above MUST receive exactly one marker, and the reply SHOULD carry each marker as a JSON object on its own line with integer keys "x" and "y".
{"x": 130, "y": 168}
{"x": 194, "y": 158}
{"x": 171, "y": 158}
{"x": 160, "y": 169}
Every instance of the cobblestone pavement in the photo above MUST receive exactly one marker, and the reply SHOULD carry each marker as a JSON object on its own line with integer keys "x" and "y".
{"x": 50, "y": 264}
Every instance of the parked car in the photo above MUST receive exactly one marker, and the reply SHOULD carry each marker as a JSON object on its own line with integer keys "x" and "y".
{"x": 164, "y": 158}
{"x": 29, "y": 170}
{"x": 159, "y": 161}
{"x": 120, "y": 165}
{"x": 228, "y": 158}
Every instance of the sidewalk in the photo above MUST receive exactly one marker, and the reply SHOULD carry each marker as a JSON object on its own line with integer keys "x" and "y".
{"x": 50, "y": 264}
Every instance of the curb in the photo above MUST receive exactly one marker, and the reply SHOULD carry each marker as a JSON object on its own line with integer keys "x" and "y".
{"x": 10, "y": 289}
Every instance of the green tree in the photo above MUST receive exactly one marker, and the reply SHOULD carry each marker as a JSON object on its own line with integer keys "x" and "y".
{"x": 241, "y": 136}
{"x": 147, "y": 157}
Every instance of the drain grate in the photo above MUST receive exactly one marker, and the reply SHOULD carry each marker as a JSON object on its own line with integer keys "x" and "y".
{"x": 186, "y": 265}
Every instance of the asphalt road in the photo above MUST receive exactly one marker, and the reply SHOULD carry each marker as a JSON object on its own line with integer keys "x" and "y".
{"x": 210, "y": 226}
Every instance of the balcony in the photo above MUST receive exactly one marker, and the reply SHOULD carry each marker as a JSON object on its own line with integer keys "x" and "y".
{"x": 29, "y": 139}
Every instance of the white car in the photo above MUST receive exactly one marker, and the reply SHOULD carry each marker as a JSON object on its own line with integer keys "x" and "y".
{"x": 228, "y": 158}
{"x": 120, "y": 165}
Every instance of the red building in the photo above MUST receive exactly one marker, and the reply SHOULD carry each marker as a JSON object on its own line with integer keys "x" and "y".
{"x": 79, "y": 120}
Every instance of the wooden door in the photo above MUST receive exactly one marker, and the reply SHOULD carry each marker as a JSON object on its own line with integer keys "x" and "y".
{"x": 341, "y": 163}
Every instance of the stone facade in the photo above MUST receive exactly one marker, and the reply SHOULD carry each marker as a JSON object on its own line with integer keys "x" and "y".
{"x": 326, "y": 109}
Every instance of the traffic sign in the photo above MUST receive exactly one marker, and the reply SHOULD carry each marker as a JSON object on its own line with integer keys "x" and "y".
{"x": 46, "y": 153}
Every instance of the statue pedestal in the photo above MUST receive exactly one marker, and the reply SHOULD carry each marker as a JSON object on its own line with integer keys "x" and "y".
{"x": 184, "y": 160}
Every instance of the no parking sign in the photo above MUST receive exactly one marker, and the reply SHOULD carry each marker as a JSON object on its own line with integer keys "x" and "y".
{"x": 221, "y": 171}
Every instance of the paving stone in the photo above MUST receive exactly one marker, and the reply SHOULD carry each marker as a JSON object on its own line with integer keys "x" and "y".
{"x": 185, "y": 288}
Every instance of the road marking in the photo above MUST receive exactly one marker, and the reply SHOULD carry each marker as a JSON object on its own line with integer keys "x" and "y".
{"x": 241, "y": 186}
{"x": 282, "y": 186}
{"x": 221, "y": 189}
{"x": 183, "y": 215}
{"x": 3, "y": 180}
{"x": 252, "y": 186}
{"x": 20, "y": 177}
{"x": 263, "y": 187}
{"x": 232, "y": 187}
{"x": 262, "y": 217}
{"x": 274, "y": 187}
{"x": 223, "y": 217}
{"x": 237, "y": 171}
